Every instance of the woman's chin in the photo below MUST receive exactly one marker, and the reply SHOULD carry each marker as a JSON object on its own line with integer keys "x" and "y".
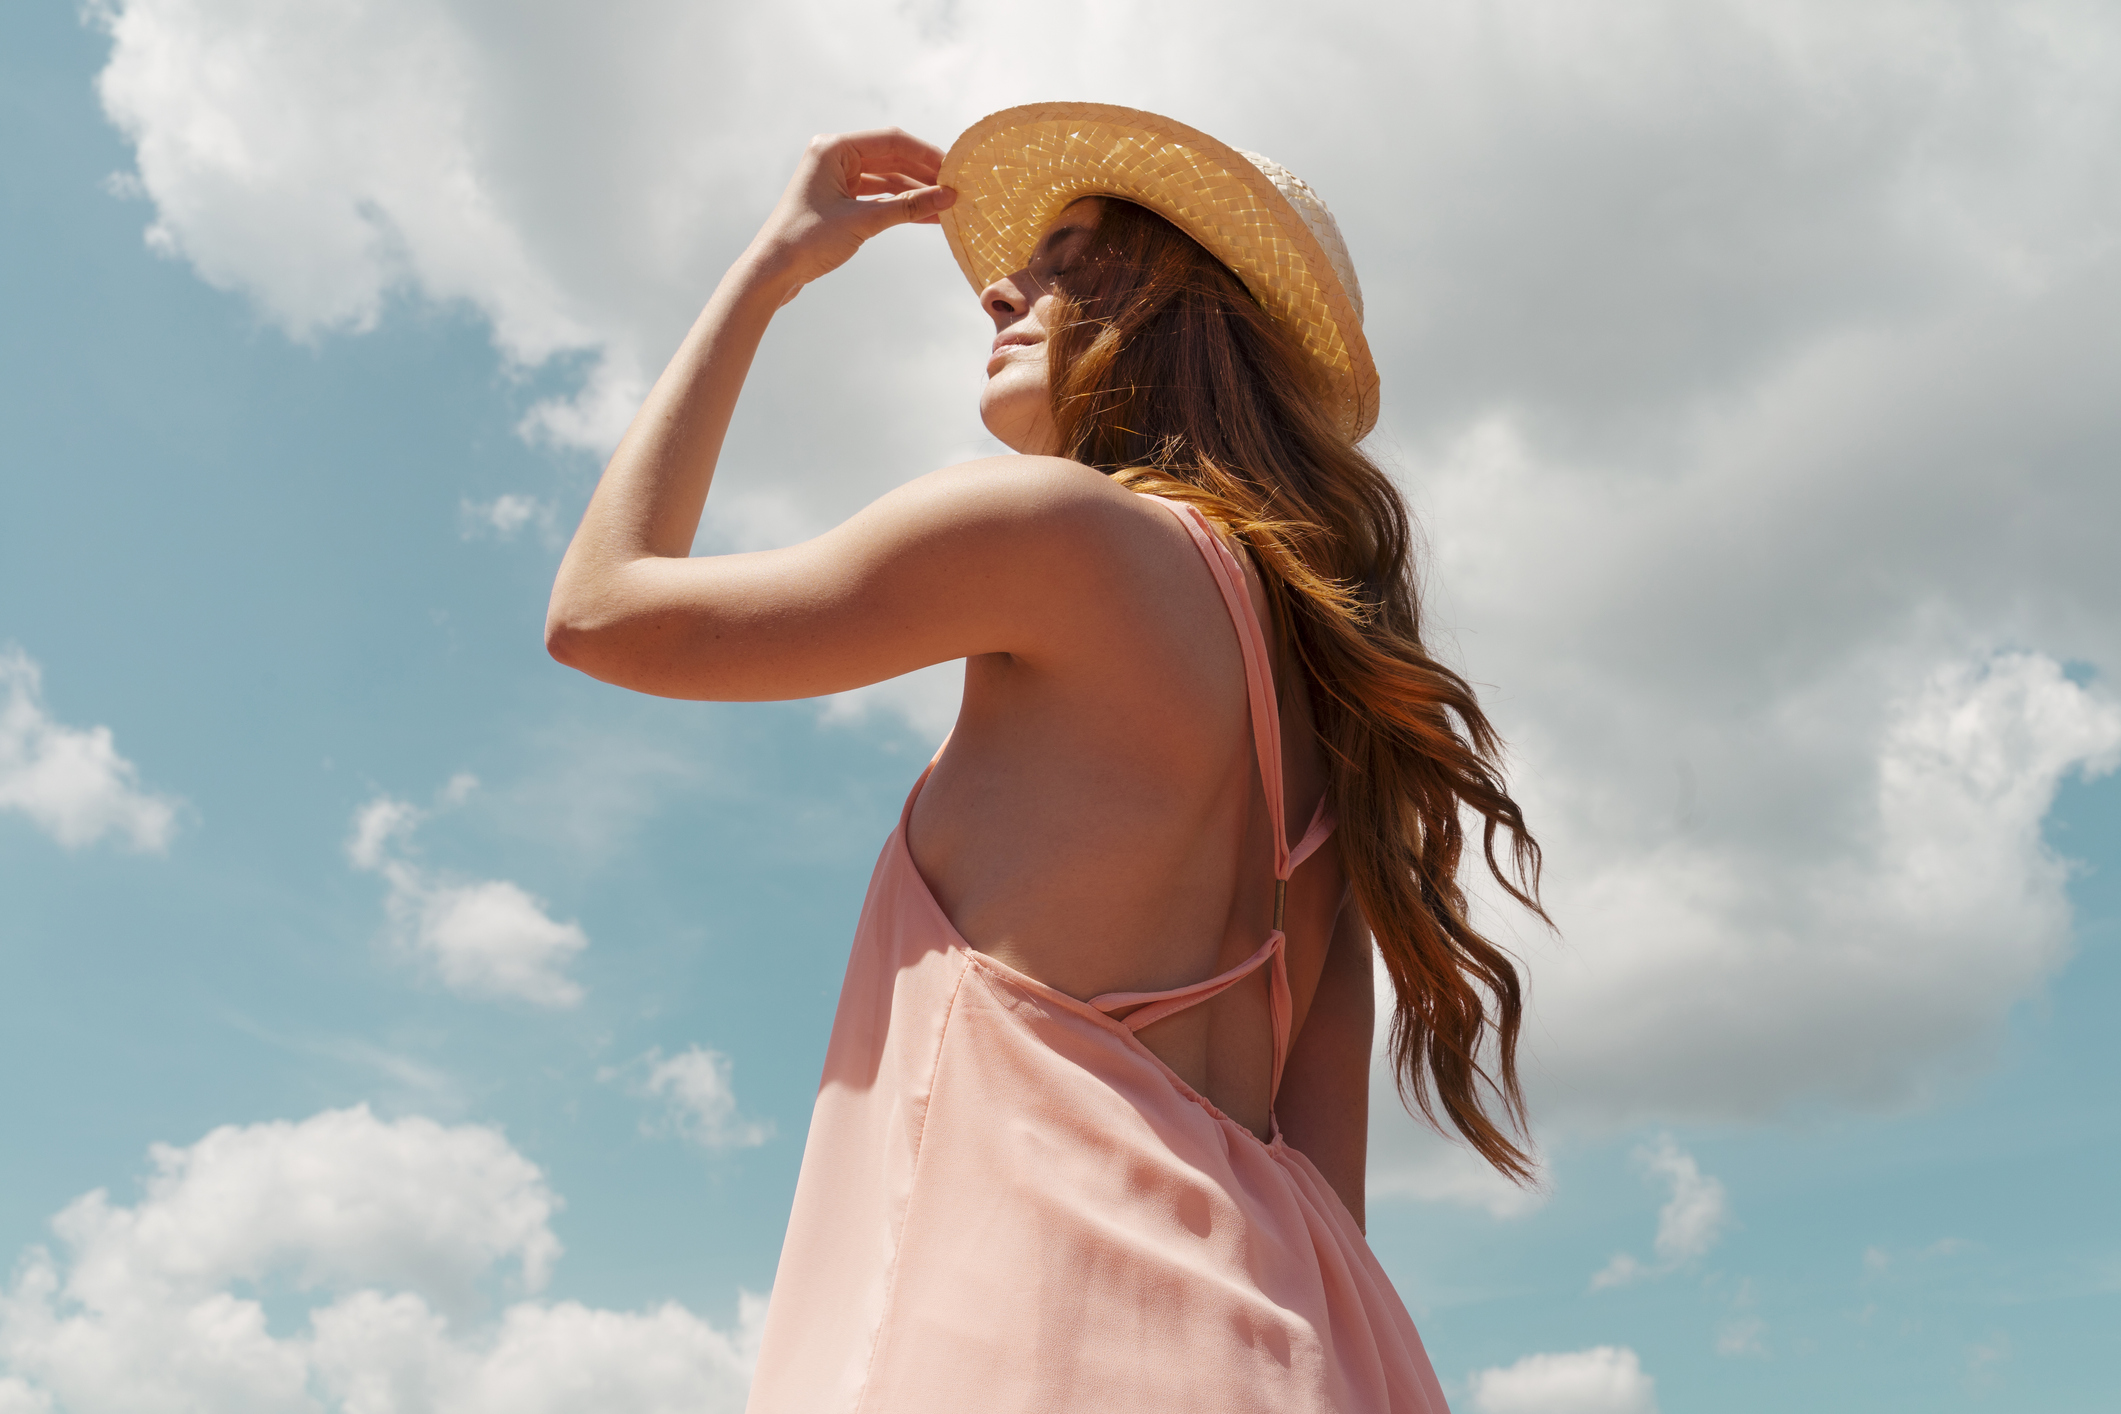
{"x": 1015, "y": 425}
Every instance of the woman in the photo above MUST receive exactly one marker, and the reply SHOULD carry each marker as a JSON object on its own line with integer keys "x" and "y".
{"x": 1092, "y": 1126}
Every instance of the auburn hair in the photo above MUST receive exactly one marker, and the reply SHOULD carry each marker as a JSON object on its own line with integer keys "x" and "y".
{"x": 1167, "y": 374}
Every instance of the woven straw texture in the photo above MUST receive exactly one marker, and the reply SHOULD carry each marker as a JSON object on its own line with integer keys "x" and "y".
{"x": 1015, "y": 170}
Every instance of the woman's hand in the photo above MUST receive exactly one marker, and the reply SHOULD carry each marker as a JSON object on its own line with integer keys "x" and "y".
{"x": 848, "y": 187}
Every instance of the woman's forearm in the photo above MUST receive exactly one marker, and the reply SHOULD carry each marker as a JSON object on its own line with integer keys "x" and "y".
{"x": 649, "y": 501}
{"x": 612, "y": 598}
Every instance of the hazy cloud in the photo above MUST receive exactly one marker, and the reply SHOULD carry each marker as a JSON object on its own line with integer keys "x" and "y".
{"x": 1408, "y": 1160}
{"x": 1742, "y": 1335}
{"x": 1688, "y": 1225}
{"x": 70, "y": 781}
{"x": 928, "y": 700}
{"x": 505, "y": 516}
{"x": 1605, "y": 1379}
{"x": 393, "y": 1233}
{"x": 1984, "y": 1361}
{"x": 483, "y": 937}
{"x": 18, "y": 1397}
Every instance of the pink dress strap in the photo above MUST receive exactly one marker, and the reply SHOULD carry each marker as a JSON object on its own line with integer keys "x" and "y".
{"x": 1259, "y": 668}
{"x": 1152, "y": 1007}
{"x": 1155, "y": 1006}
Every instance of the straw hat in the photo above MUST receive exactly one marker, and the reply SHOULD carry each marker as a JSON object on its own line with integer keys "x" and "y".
{"x": 1014, "y": 170}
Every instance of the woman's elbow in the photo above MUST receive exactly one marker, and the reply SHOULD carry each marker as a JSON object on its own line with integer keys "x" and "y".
{"x": 577, "y": 638}
{"x": 564, "y": 640}
{"x": 625, "y": 653}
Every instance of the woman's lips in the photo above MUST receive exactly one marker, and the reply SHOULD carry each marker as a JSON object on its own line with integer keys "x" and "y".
{"x": 1002, "y": 349}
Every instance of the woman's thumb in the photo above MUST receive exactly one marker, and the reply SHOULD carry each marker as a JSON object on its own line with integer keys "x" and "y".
{"x": 923, "y": 206}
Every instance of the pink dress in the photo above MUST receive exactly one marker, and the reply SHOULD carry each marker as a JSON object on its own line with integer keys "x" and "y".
{"x": 1008, "y": 1202}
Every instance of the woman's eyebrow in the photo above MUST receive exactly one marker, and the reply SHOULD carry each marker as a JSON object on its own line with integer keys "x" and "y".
{"x": 1070, "y": 228}
{"x": 1061, "y": 233}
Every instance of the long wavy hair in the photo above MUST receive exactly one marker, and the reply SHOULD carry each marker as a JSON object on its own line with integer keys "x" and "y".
{"x": 1168, "y": 375}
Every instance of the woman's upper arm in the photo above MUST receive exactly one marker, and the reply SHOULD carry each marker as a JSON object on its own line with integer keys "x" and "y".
{"x": 978, "y": 558}
{"x": 1324, "y": 1103}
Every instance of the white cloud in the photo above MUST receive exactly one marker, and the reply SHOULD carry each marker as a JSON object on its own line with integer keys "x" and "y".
{"x": 1726, "y": 973}
{"x": 483, "y": 938}
{"x": 490, "y": 938}
{"x": 505, "y": 516}
{"x": 70, "y": 781}
{"x": 926, "y": 698}
{"x": 17, "y": 1397}
{"x": 1877, "y": 1261}
{"x": 1747, "y": 361}
{"x": 1688, "y": 1225}
{"x": 1742, "y": 1335}
{"x": 377, "y": 825}
{"x": 554, "y": 1359}
{"x": 1409, "y": 1160}
{"x": 390, "y": 1232}
{"x": 1876, "y": 935}
{"x": 697, "y": 1088}
{"x": 1605, "y": 1379}
{"x": 1984, "y": 1359}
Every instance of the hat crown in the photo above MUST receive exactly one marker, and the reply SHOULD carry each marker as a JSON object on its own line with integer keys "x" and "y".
{"x": 1315, "y": 215}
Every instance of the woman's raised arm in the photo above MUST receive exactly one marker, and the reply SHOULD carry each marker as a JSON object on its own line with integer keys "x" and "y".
{"x": 630, "y": 607}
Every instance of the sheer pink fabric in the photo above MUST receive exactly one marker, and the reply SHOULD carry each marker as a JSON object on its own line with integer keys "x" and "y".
{"x": 1007, "y": 1202}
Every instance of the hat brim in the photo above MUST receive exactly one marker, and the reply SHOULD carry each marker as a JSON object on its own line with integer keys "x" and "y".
{"x": 1014, "y": 171}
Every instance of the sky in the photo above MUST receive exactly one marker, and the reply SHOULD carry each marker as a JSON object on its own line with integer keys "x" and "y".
{"x": 395, "y": 1021}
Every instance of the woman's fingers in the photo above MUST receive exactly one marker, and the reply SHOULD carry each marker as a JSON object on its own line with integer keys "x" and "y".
{"x": 848, "y": 188}
{"x": 919, "y": 206}
{"x": 930, "y": 204}
{"x": 884, "y": 184}
{"x": 874, "y": 185}
{"x": 892, "y": 150}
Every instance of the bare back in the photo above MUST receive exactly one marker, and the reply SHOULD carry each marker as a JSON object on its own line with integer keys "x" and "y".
{"x": 1098, "y": 821}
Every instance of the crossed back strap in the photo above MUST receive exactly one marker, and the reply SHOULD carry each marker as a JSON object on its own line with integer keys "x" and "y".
{"x": 1152, "y": 1007}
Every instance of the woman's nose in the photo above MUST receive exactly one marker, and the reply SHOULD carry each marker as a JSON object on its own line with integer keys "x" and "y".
{"x": 1004, "y": 300}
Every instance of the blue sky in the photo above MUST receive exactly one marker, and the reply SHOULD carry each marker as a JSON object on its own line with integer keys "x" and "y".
{"x": 1768, "y": 477}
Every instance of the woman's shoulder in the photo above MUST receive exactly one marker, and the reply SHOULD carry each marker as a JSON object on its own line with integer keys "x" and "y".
{"x": 1032, "y": 548}
{"x": 1050, "y": 501}
{"x": 1027, "y": 484}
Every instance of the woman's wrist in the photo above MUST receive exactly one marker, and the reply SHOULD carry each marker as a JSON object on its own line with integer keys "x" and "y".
{"x": 763, "y": 271}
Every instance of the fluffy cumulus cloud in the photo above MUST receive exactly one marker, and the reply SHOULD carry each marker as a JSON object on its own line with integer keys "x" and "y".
{"x": 1748, "y": 363}
{"x": 696, "y": 1086}
{"x": 70, "y": 781}
{"x": 390, "y": 1242}
{"x": 1843, "y": 950}
{"x": 482, "y": 937}
{"x": 1605, "y": 1379}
